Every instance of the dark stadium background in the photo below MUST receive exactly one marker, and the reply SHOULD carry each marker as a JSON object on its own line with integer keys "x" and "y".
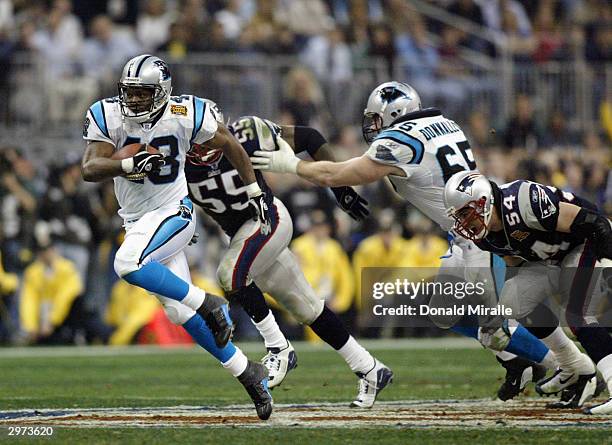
{"x": 529, "y": 81}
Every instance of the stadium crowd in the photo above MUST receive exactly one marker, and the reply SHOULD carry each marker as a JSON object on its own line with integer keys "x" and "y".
{"x": 59, "y": 235}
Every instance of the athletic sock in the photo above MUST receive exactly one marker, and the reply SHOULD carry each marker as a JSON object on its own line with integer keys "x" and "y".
{"x": 194, "y": 298}
{"x": 567, "y": 353}
{"x": 356, "y": 356}
{"x": 605, "y": 367}
{"x": 271, "y": 333}
{"x": 237, "y": 363}
{"x": 159, "y": 279}
{"x": 550, "y": 360}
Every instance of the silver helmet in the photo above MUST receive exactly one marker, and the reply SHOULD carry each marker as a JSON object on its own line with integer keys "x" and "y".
{"x": 144, "y": 87}
{"x": 387, "y": 102}
{"x": 468, "y": 198}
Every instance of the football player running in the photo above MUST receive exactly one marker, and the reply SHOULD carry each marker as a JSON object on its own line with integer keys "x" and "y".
{"x": 256, "y": 262}
{"x": 418, "y": 150}
{"x": 555, "y": 239}
{"x": 158, "y": 215}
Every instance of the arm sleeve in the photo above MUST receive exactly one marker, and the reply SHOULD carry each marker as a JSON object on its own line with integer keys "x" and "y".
{"x": 539, "y": 206}
{"x": 95, "y": 127}
{"x": 69, "y": 290}
{"x": 29, "y": 303}
{"x": 204, "y": 122}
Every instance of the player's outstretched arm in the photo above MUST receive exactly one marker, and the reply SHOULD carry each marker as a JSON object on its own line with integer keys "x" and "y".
{"x": 355, "y": 171}
{"x": 97, "y": 165}
{"x": 312, "y": 141}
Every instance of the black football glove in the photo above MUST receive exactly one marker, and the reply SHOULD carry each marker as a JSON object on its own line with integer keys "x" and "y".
{"x": 261, "y": 212}
{"x": 589, "y": 224}
{"x": 145, "y": 163}
{"x": 351, "y": 202}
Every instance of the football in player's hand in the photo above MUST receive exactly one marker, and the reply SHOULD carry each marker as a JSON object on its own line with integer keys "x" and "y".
{"x": 130, "y": 150}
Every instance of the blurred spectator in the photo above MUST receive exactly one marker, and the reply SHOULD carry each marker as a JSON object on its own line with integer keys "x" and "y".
{"x": 18, "y": 200}
{"x": 329, "y": 57}
{"x": 67, "y": 212}
{"x": 550, "y": 43}
{"x": 382, "y": 45}
{"x": 51, "y": 284}
{"x": 495, "y": 12}
{"x": 130, "y": 309}
{"x": 106, "y": 51}
{"x": 8, "y": 285}
{"x": 302, "y": 98}
{"x": 522, "y": 129}
{"x": 179, "y": 42}
{"x": 467, "y": 9}
{"x": 304, "y": 18}
{"x": 153, "y": 25}
{"x": 215, "y": 41}
{"x": 479, "y": 131}
{"x": 325, "y": 264}
{"x": 231, "y": 19}
{"x": 557, "y": 134}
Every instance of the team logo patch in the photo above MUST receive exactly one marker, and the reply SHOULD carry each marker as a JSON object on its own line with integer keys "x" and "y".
{"x": 384, "y": 151}
{"x": 466, "y": 184}
{"x": 178, "y": 109}
{"x": 541, "y": 198}
{"x": 518, "y": 235}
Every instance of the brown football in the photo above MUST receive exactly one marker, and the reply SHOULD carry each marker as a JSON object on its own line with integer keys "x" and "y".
{"x": 130, "y": 150}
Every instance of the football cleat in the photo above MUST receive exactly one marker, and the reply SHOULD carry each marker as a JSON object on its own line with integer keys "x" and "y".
{"x": 279, "y": 362}
{"x": 371, "y": 384}
{"x": 255, "y": 381}
{"x": 215, "y": 313}
{"x": 602, "y": 408}
{"x": 519, "y": 372}
{"x": 577, "y": 394}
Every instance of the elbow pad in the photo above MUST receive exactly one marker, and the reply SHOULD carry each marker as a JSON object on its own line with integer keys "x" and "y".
{"x": 593, "y": 226}
{"x": 308, "y": 139}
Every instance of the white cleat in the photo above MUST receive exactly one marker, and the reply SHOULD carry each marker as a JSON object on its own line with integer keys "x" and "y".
{"x": 279, "y": 362}
{"x": 563, "y": 379}
{"x": 603, "y": 408}
{"x": 371, "y": 384}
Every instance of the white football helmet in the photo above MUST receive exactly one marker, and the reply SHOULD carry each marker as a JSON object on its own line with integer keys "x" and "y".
{"x": 387, "y": 102}
{"x": 144, "y": 88}
{"x": 468, "y": 198}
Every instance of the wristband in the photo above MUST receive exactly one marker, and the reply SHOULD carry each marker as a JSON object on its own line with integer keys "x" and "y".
{"x": 127, "y": 165}
{"x": 253, "y": 189}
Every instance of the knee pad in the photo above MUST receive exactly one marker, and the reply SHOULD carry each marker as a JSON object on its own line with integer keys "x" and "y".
{"x": 176, "y": 312}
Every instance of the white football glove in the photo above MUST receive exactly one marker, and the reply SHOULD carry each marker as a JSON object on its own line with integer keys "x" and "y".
{"x": 283, "y": 160}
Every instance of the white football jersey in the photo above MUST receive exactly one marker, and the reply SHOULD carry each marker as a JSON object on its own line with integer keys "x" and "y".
{"x": 186, "y": 120}
{"x": 429, "y": 148}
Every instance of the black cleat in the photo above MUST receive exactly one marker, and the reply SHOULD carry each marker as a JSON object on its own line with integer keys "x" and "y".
{"x": 255, "y": 381}
{"x": 519, "y": 372}
{"x": 215, "y": 313}
{"x": 577, "y": 394}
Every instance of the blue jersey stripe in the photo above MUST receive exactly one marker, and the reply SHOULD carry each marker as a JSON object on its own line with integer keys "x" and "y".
{"x": 406, "y": 139}
{"x": 97, "y": 111}
{"x": 199, "y": 107}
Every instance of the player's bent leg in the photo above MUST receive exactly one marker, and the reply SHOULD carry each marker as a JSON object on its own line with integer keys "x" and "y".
{"x": 287, "y": 283}
{"x": 230, "y": 356}
{"x": 156, "y": 238}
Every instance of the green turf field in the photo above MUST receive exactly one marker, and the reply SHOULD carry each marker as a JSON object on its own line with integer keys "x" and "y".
{"x": 82, "y": 379}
